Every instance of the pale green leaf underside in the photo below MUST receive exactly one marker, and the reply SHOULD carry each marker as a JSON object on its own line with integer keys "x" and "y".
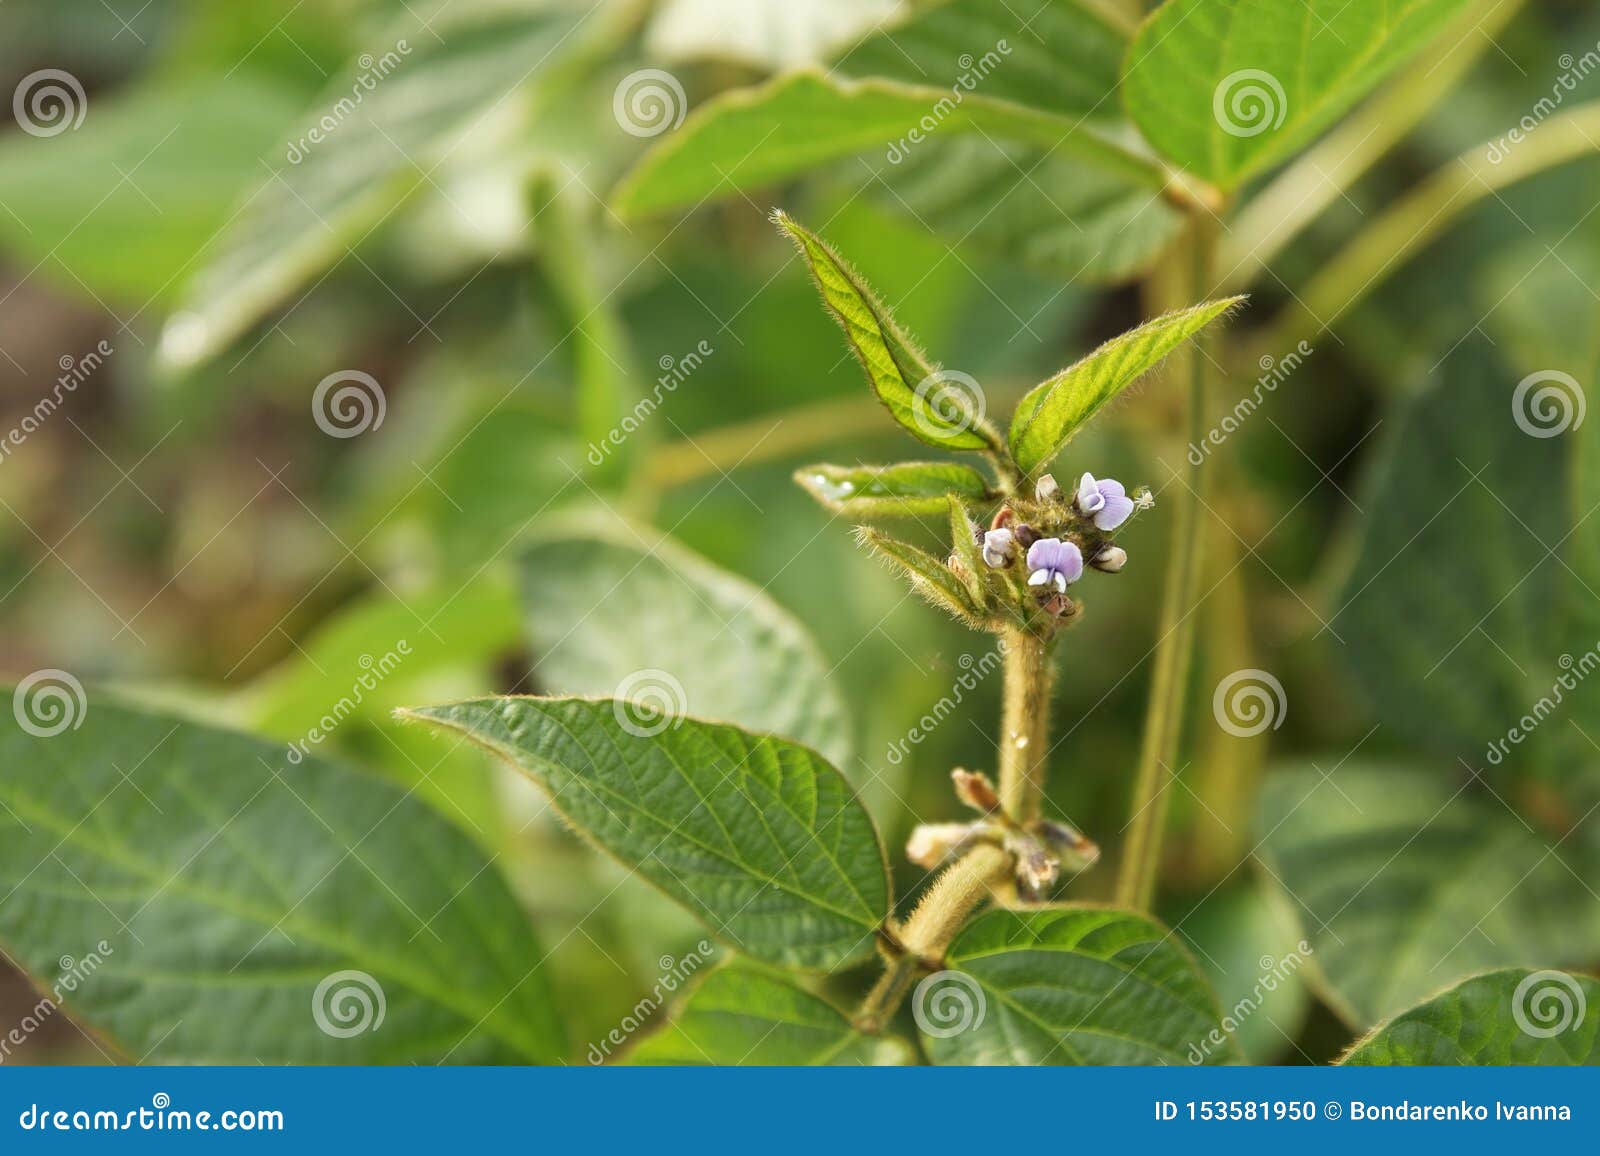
{"x": 741, "y": 1015}
{"x": 898, "y": 372}
{"x": 905, "y": 489}
{"x": 1070, "y": 986}
{"x": 1226, "y": 88}
{"x": 756, "y": 136}
{"x": 378, "y": 149}
{"x": 605, "y": 601}
{"x": 757, "y": 836}
{"x": 229, "y": 882}
{"x": 1476, "y": 1023}
{"x": 1051, "y": 412}
{"x": 1404, "y": 882}
{"x": 1059, "y": 55}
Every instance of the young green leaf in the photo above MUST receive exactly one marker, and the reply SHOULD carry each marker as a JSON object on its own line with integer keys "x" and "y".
{"x": 757, "y": 836}
{"x": 905, "y": 489}
{"x": 1388, "y": 867}
{"x": 256, "y": 906}
{"x": 1051, "y": 412}
{"x": 964, "y": 546}
{"x": 936, "y": 407}
{"x": 1515, "y": 1016}
{"x": 604, "y": 600}
{"x": 1068, "y": 986}
{"x": 929, "y": 577}
{"x": 1227, "y": 87}
{"x": 743, "y": 1015}
{"x": 753, "y": 137}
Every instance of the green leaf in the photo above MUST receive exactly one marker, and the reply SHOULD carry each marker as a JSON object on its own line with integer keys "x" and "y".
{"x": 1515, "y": 1016}
{"x": 939, "y": 408}
{"x": 1228, "y": 87}
{"x": 757, "y": 836}
{"x": 741, "y": 1015}
{"x": 1051, "y": 412}
{"x": 1058, "y": 55}
{"x": 1069, "y": 985}
{"x": 609, "y": 605}
{"x": 428, "y": 87}
{"x": 903, "y": 490}
{"x": 929, "y": 577}
{"x": 752, "y": 137}
{"x": 230, "y": 882}
{"x": 120, "y": 205}
{"x": 964, "y": 546}
{"x": 1405, "y": 882}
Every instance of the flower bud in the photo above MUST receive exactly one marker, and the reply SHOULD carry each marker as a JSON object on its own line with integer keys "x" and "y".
{"x": 931, "y": 844}
{"x": 1046, "y": 489}
{"x": 999, "y": 548}
{"x": 1026, "y": 536}
{"x": 975, "y": 789}
{"x": 1109, "y": 558}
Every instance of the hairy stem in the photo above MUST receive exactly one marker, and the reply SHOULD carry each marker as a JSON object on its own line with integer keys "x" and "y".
{"x": 1024, "y": 723}
{"x": 1175, "y": 646}
{"x": 927, "y": 933}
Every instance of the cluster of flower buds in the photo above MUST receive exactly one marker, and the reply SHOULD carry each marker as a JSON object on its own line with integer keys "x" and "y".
{"x": 1071, "y": 536}
{"x": 1041, "y": 849}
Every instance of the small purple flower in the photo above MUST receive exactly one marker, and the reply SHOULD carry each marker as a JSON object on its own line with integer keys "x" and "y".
{"x": 1052, "y": 562}
{"x": 999, "y": 547}
{"x": 1107, "y": 503}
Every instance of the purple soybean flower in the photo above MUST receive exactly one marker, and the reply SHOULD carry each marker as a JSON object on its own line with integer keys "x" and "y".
{"x": 1052, "y": 562}
{"x": 1107, "y": 503}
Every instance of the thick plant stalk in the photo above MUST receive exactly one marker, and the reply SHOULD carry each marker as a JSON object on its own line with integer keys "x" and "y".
{"x": 1024, "y": 724}
{"x": 944, "y": 908}
{"x": 1141, "y": 860}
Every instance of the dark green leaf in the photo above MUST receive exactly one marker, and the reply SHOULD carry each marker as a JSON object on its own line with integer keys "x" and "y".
{"x": 1515, "y": 1016}
{"x": 741, "y": 1015}
{"x": 1069, "y": 985}
{"x": 232, "y": 885}
{"x": 757, "y": 836}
